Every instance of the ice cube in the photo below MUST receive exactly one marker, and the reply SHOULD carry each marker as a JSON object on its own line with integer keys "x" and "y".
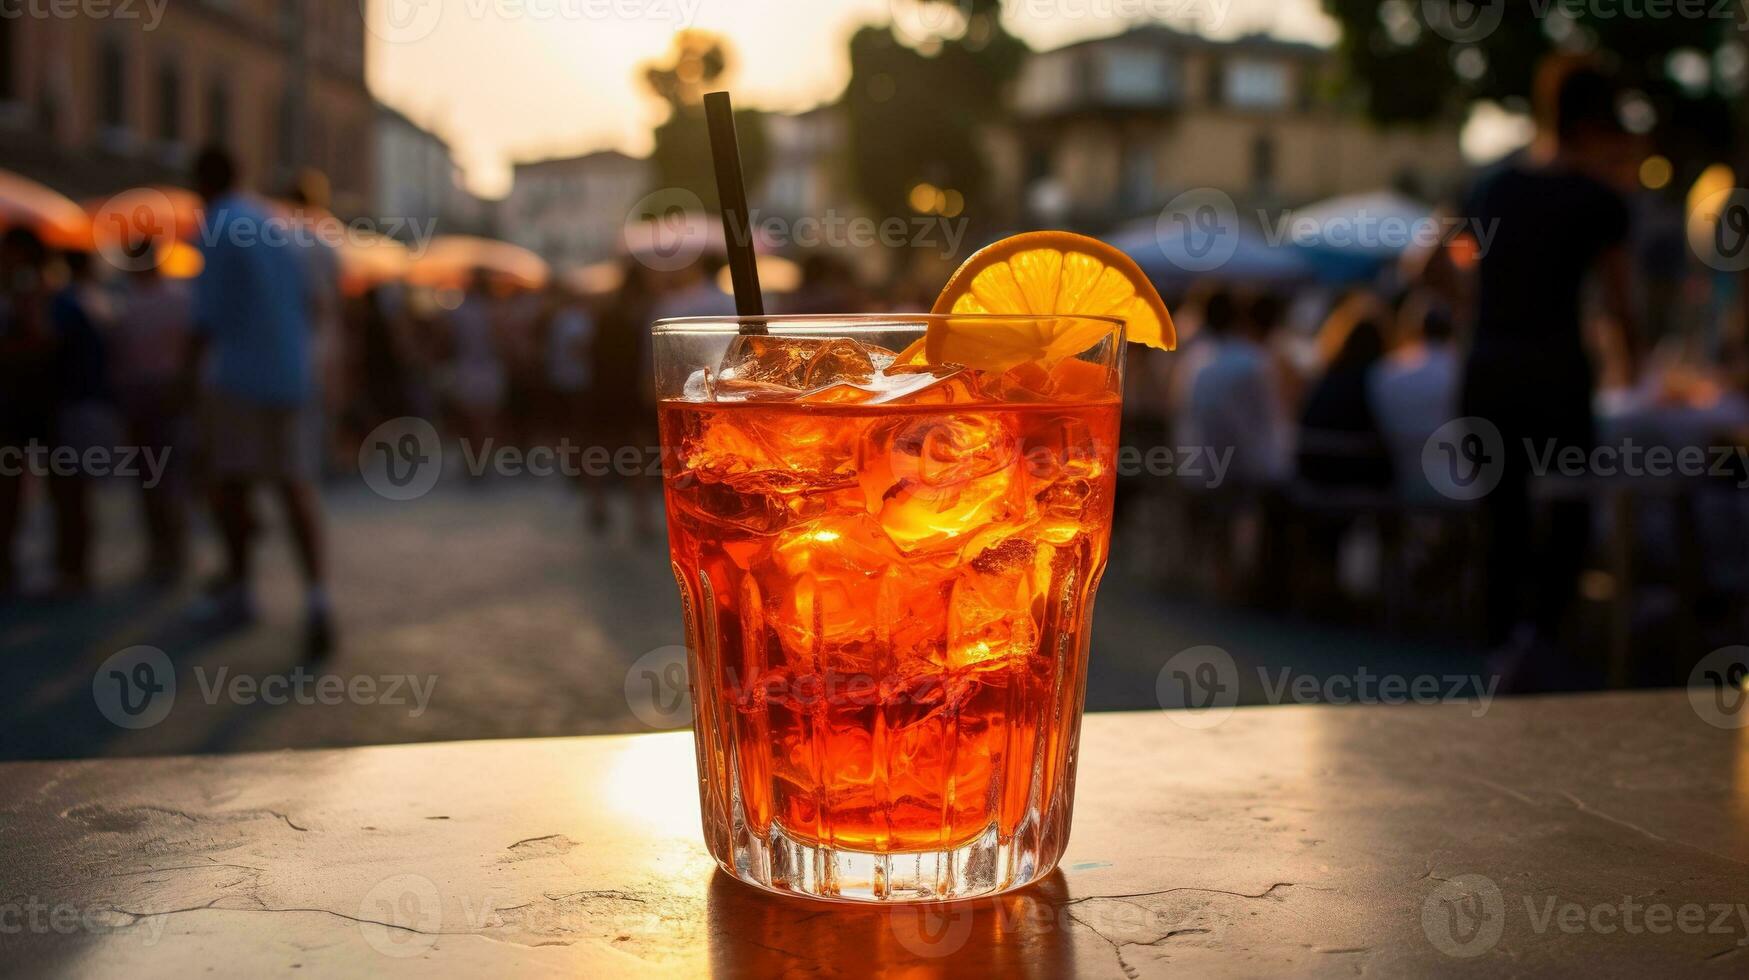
{"x": 1000, "y": 600}
{"x": 845, "y": 361}
{"x": 763, "y": 367}
{"x": 765, "y": 360}
{"x": 931, "y": 480}
{"x": 700, "y": 386}
{"x": 829, "y": 588}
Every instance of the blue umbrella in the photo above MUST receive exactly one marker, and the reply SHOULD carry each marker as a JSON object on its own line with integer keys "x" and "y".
{"x": 1173, "y": 255}
{"x": 1352, "y": 238}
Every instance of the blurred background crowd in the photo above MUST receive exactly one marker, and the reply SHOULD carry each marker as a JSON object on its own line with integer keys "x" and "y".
{"x": 228, "y": 260}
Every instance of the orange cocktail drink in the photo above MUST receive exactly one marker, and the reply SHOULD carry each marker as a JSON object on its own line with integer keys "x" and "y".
{"x": 887, "y": 533}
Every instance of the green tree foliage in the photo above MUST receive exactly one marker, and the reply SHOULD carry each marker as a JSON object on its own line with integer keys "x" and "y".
{"x": 698, "y": 62}
{"x": 915, "y": 112}
{"x": 1424, "y": 59}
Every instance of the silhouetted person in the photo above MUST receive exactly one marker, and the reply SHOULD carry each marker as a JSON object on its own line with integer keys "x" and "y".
{"x": 84, "y": 418}
{"x": 148, "y": 348}
{"x": 1556, "y": 222}
{"x": 1339, "y": 442}
{"x": 27, "y": 392}
{"x": 622, "y": 412}
{"x": 262, "y": 421}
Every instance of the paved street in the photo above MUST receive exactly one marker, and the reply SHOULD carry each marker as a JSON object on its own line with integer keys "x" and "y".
{"x": 486, "y": 610}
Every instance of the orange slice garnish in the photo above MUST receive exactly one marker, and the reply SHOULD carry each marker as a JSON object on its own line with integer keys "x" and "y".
{"x": 1047, "y": 272}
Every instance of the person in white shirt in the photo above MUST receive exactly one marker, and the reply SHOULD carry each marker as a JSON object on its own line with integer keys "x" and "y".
{"x": 1414, "y": 391}
{"x": 1232, "y": 400}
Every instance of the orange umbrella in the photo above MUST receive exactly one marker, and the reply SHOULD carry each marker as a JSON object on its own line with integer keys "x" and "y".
{"x": 148, "y": 226}
{"x": 450, "y": 261}
{"x": 57, "y": 220}
{"x": 160, "y": 212}
{"x": 367, "y": 260}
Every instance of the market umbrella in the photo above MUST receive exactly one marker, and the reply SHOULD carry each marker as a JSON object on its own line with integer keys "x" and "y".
{"x": 1351, "y": 238}
{"x": 59, "y": 222}
{"x": 450, "y": 261}
{"x": 1173, "y": 257}
{"x": 368, "y": 260}
{"x": 159, "y": 212}
{"x": 149, "y": 226}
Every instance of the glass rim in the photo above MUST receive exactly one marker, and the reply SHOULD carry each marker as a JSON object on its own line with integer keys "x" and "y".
{"x": 729, "y": 323}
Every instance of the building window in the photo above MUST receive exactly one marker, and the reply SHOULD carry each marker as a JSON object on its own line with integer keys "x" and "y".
{"x": 1250, "y": 83}
{"x": 112, "y": 110}
{"x": 169, "y": 103}
{"x": 218, "y": 112}
{"x": 1214, "y": 86}
{"x": 1138, "y": 177}
{"x": 1132, "y": 77}
{"x": 1263, "y": 163}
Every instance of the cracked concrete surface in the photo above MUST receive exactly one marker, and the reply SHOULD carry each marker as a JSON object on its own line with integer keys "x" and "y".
{"x": 1317, "y": 841}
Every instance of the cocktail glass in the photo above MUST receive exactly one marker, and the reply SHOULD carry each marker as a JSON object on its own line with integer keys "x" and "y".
{"x": 887, "y": 564}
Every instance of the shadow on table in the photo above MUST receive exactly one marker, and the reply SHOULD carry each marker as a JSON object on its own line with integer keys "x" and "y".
{"x": 49, "y": 708}
{"x": 1025, "y": 933}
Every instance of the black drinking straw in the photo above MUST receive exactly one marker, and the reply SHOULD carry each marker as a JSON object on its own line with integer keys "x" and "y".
{"x": 732, "y": 197}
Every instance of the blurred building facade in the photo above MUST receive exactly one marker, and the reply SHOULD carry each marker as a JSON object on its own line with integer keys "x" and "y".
{"x": 417, "y": 178}
{"x": 805, "y": 173}
{"x": 1112, "y": 128}
{"x": 570, "y": 210}
{"x": 93, "y": 104}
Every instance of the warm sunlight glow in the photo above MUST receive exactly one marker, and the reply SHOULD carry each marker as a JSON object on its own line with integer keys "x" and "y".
{"x": 509, "y": 81}
{"x": 661, "y": 806}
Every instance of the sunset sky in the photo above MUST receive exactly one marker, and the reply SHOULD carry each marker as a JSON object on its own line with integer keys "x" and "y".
{"x": 519, "y": 79}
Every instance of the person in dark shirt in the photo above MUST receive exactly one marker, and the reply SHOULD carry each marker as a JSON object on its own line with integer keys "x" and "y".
{"x": 27, "y": 372}
{"x": 1339, "y": 443}
{"x": 1554, "y": 223}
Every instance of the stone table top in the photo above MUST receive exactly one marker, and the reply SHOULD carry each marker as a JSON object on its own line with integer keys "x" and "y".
{"x": 1579, "y": 835}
